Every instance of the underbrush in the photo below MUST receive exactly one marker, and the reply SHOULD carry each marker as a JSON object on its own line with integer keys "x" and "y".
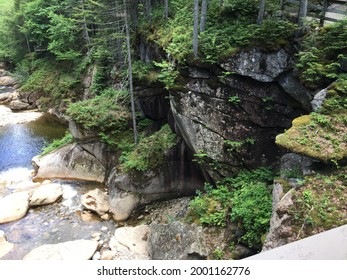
{"x": 244, "y": 200}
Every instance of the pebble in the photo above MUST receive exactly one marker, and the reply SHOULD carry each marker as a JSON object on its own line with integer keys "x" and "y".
{"x": 96, "y": 236}
{"x": 105, "y": 217}
{"x": 104, "y": 229}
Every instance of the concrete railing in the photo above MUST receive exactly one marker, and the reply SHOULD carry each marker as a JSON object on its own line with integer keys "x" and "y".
{"x": 329, "y": 245}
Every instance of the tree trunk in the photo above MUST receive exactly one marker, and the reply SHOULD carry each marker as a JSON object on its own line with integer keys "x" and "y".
{"x": 149, "y": 10}
{"x": 203, "y": 15}
{"x": 325, "y": 7}
{"x": 196, "y": 28}
{"x": 85, "y": 32}
{"x": 135, "y": 13}
{"x": 261, "y": 12}
{"x": 166, "y": 4}
{"x": 130, "y": 72}
{"x": 282, "y": 8}
{"x": 302, "y": 12}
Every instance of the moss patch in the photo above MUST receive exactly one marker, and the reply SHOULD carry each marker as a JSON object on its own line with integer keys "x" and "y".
{"x": 320, "y": 204}
{"x": 320, "y": 135}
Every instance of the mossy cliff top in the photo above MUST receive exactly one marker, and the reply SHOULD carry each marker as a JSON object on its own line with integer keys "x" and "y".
{"x": 321, "y": 135}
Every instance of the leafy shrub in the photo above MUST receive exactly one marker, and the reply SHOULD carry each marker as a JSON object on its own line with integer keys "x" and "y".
{"x": 150, "y": 151}
{"x": 237, "y": 8}
{"x": 245, "y": 199}
{"x": 51, "y": 79}
{"x": 273, "y": 34}
{"x": 105, "y": 112}
{"x": 168, "y": 73}
{"x": 144, "y": 71}
{"x": 252, "y": 207}
{"x": 323, "y": 52}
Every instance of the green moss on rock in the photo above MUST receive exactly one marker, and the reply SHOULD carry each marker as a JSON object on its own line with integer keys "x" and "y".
{"x": 319, "y": 135}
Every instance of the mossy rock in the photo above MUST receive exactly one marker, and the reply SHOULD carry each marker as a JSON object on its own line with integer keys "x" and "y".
{"x": 318, "y": 136}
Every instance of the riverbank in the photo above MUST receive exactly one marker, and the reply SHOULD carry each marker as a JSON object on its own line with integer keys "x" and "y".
{"x": 7, "y": 117}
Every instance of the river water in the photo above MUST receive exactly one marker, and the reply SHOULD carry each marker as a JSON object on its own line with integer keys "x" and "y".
{"x": 50, "y": 224}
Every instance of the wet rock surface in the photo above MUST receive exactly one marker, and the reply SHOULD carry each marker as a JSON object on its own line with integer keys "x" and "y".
{"x": 69, "y": 162}
{"x": 71, "y": 250}
{"x": 14, "y": 207}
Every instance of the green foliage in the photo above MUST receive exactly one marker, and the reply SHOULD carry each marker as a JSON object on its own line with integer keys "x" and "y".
{"x": 168, "y": 73}
{"x": 323, "y": 52}
{"x": 228, "y": 28}
{"x": 62, "y": 37}
{"x": 235, "y": 146}
{"x": 245, "y": 199}
{"x": 252, "y": 207}
{"x": 105, "y": 112}
{"x": 240, "y": 8}
{"x": 235, "y": 100}
{"x": 145, "y": 72}
{"x": 150, "y": 151}
{"x": 274, "y": 33}
{"x": 49, "y": 78}
{"x": 56, "y": 144}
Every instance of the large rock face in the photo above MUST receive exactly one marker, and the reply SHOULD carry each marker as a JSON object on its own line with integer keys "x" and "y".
{"x": 71, "y": 162}
{"x": 232, "y": 121}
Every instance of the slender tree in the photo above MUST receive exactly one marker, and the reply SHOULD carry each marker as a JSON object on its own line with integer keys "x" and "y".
{"x": 130, "y": 73}
{"x": 85, "y": 31}
{"x": 196, "y": 28}
{"x": 166, "y": 8}
{"x": 302, "y": 12}
{"x": 203, "y": 15}
{"x": 148, "y": 7}
{"x": 282, "y": 8}
{"x": 261, "y": 13}
{"x": 324, "y": 10}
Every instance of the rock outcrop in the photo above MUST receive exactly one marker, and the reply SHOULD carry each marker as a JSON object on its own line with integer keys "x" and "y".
{"x": 70, "y": 162}
{"x": 16, "y": 205}
{"x": 177, "y": 241}
{"x": 232, "y": 120}
{"x": 281, "y": 231}
{"x": 71, "y": 250}
{"x": 263, "y": 67}
{"x": 177, "y": 176}
{"x": 7, "y": 81}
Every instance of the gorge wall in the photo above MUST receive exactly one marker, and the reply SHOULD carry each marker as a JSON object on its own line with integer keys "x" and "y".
{"x": 226, "y": 115}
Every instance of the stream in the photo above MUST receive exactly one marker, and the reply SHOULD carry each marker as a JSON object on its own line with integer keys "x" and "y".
{"x": 59, "y": 222}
